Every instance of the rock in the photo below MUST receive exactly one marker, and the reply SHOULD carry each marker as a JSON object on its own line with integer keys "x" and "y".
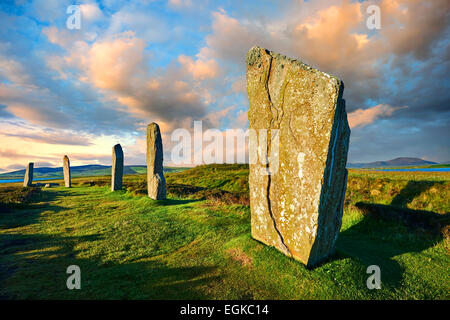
{"x": 298, "y": 207}
{"x": 156, "y": 183}
{"x": 66, "y": 170}
{"x": 28, "y": 179}
{"x": 117, "y": 168}
{"x": 49, "y": 185}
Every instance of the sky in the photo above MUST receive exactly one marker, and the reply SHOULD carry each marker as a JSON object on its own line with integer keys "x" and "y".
{"x": 80, "y": 91}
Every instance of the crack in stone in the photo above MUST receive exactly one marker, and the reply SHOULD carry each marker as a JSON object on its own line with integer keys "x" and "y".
{"x": 269, "y": 206}
{"x": 269, "y": 178}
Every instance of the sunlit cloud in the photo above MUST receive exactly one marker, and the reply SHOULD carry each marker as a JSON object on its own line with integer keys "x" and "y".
{"x": 360, "y": 117}
{"x": 200, "y": 69}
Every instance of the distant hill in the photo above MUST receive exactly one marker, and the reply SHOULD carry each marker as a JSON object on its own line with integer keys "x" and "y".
{"x": 397, "y": 162}
{"x": 80, "y": 171}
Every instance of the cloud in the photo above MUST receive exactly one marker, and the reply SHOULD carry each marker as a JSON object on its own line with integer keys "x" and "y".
{"x": 408, "y": 137}
{"x": 89, "y": 158}
{"x": 90, "y": 12}
{"x": 141, "y": 19}
{"x": 113, "y": 64}
{"x": 329, "y": 37}
{"x": 59, "y": 138}
{"x": 240, "y": 85}
{"x": 412, "y": 27}
{"x": 200, "y": 69}
{"x": 214, "y": 119}
{"x": 13, "y": 154}
{"x": 119, "y": 67}
{"x": 180, "y": 3}
{"x": 49, "y": 10}
{"x": 64, "y": 108}
{"x": 242, "y": 118}
{"x": 4, "y": 113}
{"x": 32, "y": 104}
{"x": 334, "y": 38}
{"x": 363, "y": 117}
{"x": 230, "y": 39}
{"x": 61, "y": 37}
{"x": 13, "y": 71}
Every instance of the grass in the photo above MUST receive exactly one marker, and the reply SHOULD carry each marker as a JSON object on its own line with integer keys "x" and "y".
{"x": 419, "y": 191}
{"x": 430, "y": 166}
{"x": 195, "y": 246}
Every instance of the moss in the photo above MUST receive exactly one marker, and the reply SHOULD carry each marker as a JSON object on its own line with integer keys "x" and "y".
{"x": 253, "y": 56}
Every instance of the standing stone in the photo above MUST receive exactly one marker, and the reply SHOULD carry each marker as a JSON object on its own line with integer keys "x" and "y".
{"x": 298, "y": 207}
{"x": 28, "y": 179}
{"x": 66, "y": 171}
{"x": 156, "y": 182}
{"x": 117, "y": 168}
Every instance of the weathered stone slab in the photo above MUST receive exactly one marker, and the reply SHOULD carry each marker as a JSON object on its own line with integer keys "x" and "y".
{"x": 66, "y": 171}
{"x": 28, "y": 179}
{"x": 298, "y": 207}
{"x": 117, "y": 168}
{"x": 156, "y": 183}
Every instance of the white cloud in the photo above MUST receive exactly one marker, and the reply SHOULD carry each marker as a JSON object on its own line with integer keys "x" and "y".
{"x": 364, "y": 117}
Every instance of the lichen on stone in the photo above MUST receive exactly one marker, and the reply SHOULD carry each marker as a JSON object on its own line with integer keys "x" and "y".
{"x": 298, "y": 208}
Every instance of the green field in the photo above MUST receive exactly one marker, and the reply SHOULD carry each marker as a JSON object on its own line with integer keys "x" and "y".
{"x": 197, "y": 244}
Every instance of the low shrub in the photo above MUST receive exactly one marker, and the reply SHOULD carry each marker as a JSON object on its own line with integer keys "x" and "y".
{"x": 16, "y": 196}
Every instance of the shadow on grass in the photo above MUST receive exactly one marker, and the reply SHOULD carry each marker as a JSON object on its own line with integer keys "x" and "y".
{"x": 15, "y": 215}
{"x": 428, "y": 221}
{"x": 377, "y": 242}
{"x": 387, "y": 231}
{"x": 173, "y": 202}
{"x": 412, "y": 190}
{"x": 33, "y": 266}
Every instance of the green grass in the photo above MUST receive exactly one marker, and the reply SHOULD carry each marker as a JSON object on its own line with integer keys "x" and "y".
{"x": 131, "y": 247}
{"x": 439, "y": 166}
{"x": 233, "y": 178}
{"x": 433, "y": 166}
{"x": 418, "y": 191}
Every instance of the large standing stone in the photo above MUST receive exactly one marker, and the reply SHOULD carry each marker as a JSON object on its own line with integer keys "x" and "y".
{"x": 298, "y": 208}
{"x": 66, "y": 171}
{"x": 156, "y": 182}
{"x": 28, "y": 179}
{"x": 117, "y": 168}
